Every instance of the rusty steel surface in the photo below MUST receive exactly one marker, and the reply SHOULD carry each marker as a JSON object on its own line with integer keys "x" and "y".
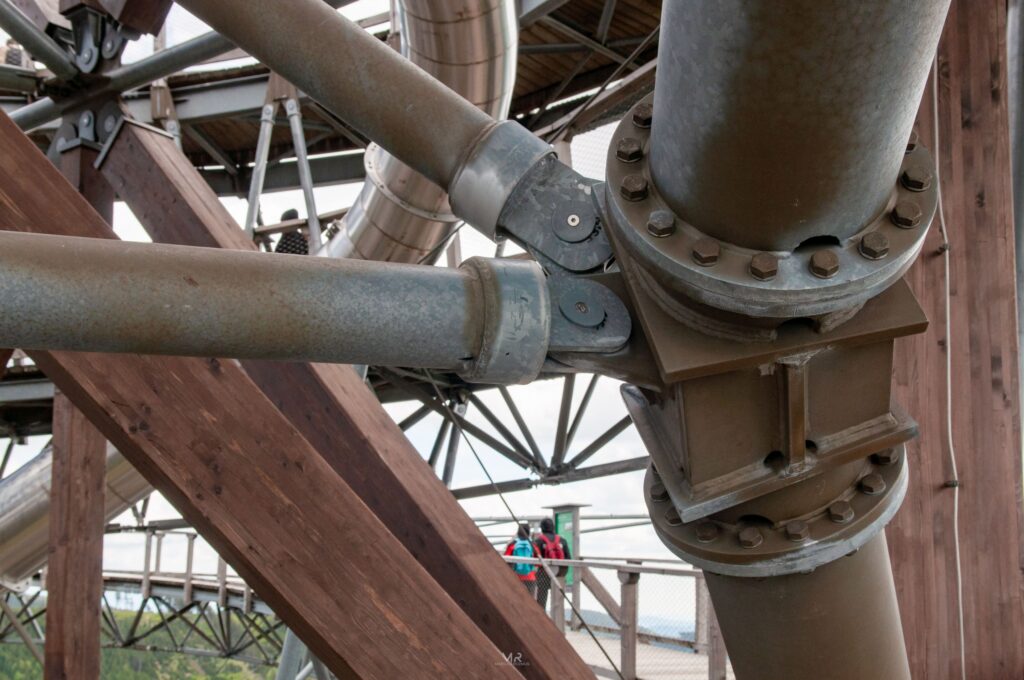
{"x": 778, "y": 123}
{"x": 363, "y": 81}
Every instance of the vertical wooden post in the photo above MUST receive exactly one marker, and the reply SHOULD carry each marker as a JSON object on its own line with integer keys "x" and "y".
{"x": 146, "y": 567}
{"x": 717, "y": 656}
{"x": 629, "y": 603}
{"x": 701, "y": 623}
{"x": 159, "y": 552}
{"x": 189, "y": 556}
{"x": 558, "y": 599}
{"x": 975, "y": 164}
{"x": 222, "y": 582}
{"x": 75, "y": 573}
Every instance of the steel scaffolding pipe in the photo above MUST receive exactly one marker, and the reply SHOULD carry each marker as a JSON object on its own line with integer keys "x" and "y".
{"x": 774, "y": 124}
{"x": 362, "y": 80}
{"x": 142, "y": 72}
{"x": 38, "y": 44}
{"x": 489, "y": 320}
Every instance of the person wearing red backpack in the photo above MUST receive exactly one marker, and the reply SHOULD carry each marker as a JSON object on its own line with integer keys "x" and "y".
{"x": 551, "y": 546}
{"x": 521, "y": 546}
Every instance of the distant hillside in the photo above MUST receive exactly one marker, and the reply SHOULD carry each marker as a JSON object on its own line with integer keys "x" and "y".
{"x": 16, "y": 663}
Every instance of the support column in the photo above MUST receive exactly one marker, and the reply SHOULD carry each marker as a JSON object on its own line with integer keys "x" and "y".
{"x": 974, "y": 163}
{"x": 628, "y": 628}
{"x": 75, "y": 564}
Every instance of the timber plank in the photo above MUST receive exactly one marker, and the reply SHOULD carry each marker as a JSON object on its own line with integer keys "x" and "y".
{"x": 205, "y": 435}
{"x": 74, "y": 579}
{"x": 975, "y": 167}
{"x": 343, "y": 420}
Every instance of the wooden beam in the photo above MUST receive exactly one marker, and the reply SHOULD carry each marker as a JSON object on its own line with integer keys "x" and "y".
{"x": 74, "y": 577}
{"x": 975, "y": 167}
{"x": 339, "y": 415}
{"x": 208, "y": 439}
{"x": 76, "y": 164}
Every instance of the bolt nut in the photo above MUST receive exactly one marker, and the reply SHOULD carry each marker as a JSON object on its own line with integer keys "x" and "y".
{"x": 907, "y": 214}
{"x": 913, "y": 141}
{"x": 661, "y": 223}
{"x": 887, "y": 457}
{"x": 643, "y": 114}
{"x": 872, "y": 484}
{"x": 706, "y": 531}
{"x": 750, "y": 537}
{"x": 672, "y": 517}
{"x": 825, "y": 264}
{"x": 633, "y": 187}
{"x": 840, "y": 512}
{"x": 706, "y": 252}
{"x": 659, "y": 494}
{"x": 874, "y": 245}
{"x": 629, "y": 150}
{"x": 917, "y": 178}
{"x": 764, "y": 266}
{"x": 797, "y": 530}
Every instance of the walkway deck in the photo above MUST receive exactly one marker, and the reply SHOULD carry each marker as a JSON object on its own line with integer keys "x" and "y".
{"x": 654, "y": 662}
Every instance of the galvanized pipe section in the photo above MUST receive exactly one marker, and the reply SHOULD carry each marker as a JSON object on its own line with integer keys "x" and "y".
{"x": 38, "y": 44}
{"x": 841, "y": 621}
{"x": 367, "y": 84}
{"x": 470, "y": 46}
{"x": 25, "y": 507}
{"x": 488, "y": 320}
{"x": 142, "y": 72}
{"x": 778, "y": 122}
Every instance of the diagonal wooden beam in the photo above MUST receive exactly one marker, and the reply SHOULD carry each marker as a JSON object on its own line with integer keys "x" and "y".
{"x": 338, "y": 414}
{"x": 205, "y": 435}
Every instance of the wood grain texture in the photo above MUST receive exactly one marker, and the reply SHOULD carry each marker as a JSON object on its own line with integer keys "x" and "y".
{"x": 205, "y": 436}
{"x": 342, "y": 419}
{"x": 975, "y": 167}
{"x": 74, "y": 578}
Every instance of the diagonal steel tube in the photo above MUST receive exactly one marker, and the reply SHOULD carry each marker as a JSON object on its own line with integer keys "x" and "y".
{"x": 38, "y": 44}
{"x": 353, "y": 74}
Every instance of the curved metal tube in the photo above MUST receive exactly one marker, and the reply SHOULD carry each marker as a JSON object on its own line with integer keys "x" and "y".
{"x": 470, "y": 46}
{"x": 25, "y": 508}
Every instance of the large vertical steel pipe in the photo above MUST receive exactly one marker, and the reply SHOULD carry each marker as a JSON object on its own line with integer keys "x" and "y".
{"x": 778, "y": 122}
{"x": 840, "y": 621}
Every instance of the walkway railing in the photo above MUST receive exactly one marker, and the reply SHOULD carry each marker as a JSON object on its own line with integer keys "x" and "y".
{"x": 647, "y": 647}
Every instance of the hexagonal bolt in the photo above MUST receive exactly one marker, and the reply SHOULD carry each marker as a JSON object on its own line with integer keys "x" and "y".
{"x": 872, "y": 484}
{"x": 643, "y": 114}
{"x": 661, "y": 223}
{"x": 706, "y": 531}
{"x": 797, "y": 530}
{"x": 750, "y": 537}
{"x": 764, "y": 266}
{"x": 825, "y": 264}
{"x": 906, "y": 214}
{"x": 659, "y": 494}
{"x": 917, "y": 178}
{"x": 887, "y": 457}
{"x": 706, "y": 252}
{"x": 913, "y": 141}
{"x": 840, "y": 512}
{"x": 874, "y": 245}
{"x": 672, "y": 517}
{"x": 629, "y": 150}
{"x": 633, "y": 187}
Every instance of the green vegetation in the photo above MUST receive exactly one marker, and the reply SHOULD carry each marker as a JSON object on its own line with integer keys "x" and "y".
{"x": 125, "y": 664}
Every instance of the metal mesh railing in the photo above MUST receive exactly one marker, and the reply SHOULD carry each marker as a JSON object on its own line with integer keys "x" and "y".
{"x": 654, "y": 620}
